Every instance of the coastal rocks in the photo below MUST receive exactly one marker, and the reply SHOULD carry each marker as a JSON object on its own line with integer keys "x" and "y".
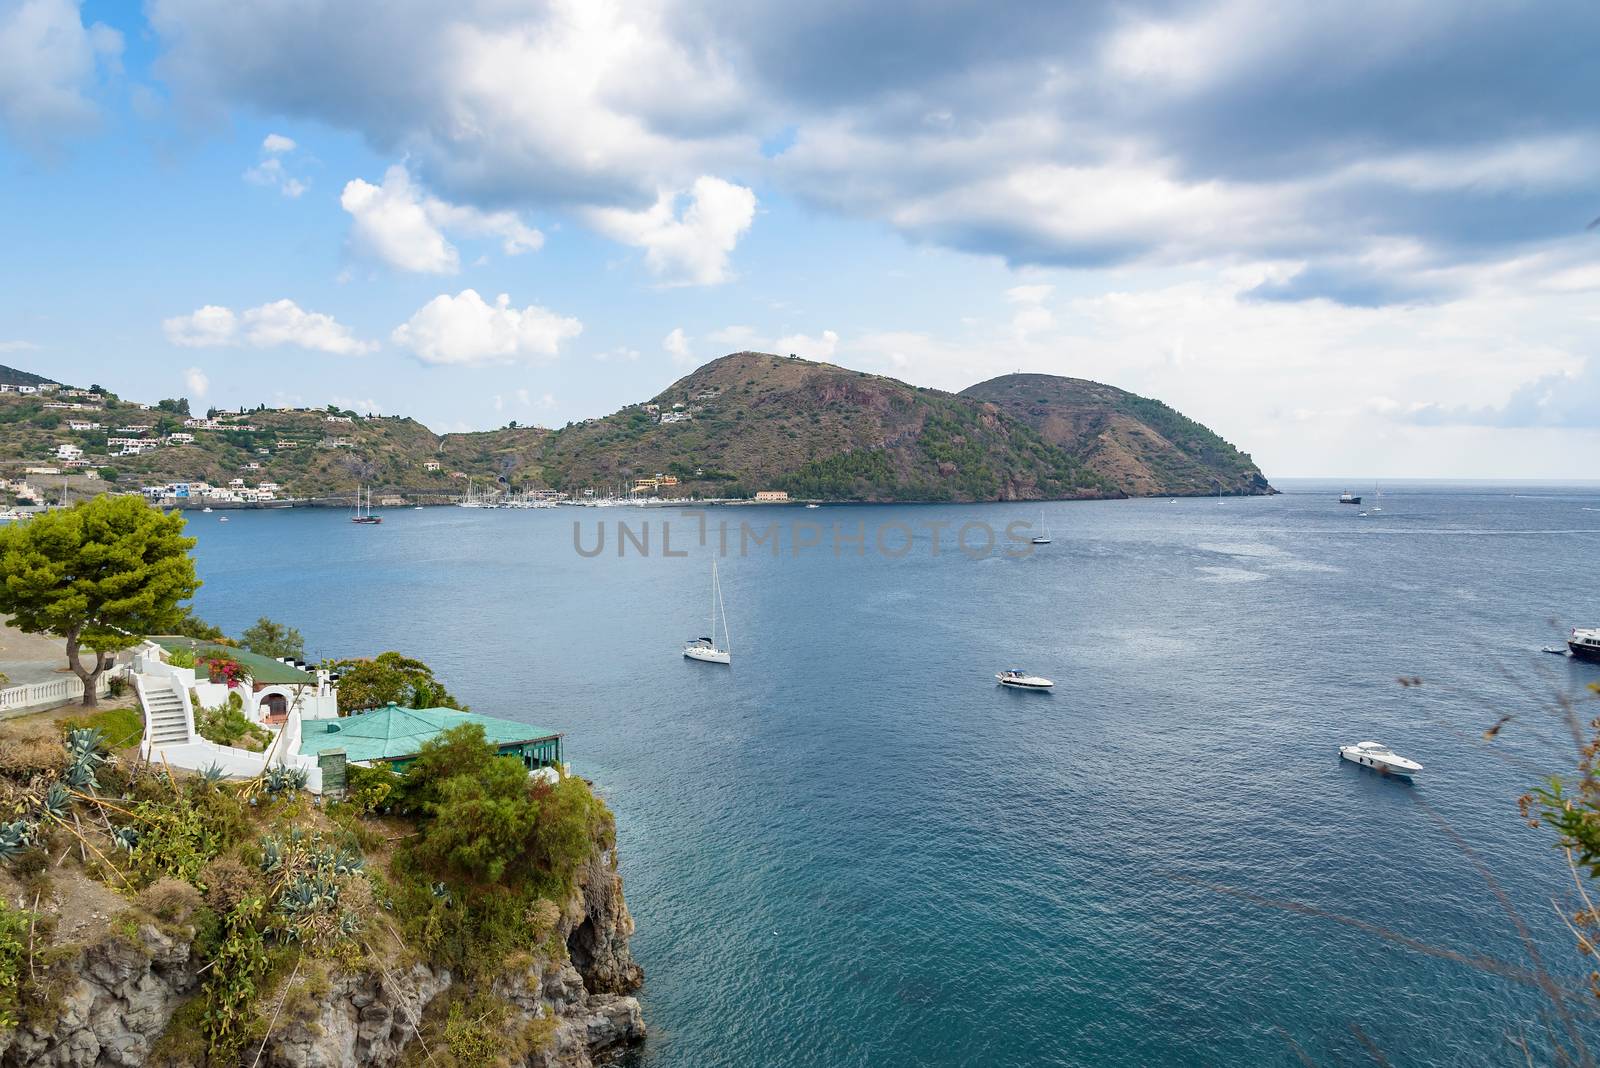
{"x": 125, "y": 991}
{"x": 597, "y": 926}
{"x": 366, "y": 1018}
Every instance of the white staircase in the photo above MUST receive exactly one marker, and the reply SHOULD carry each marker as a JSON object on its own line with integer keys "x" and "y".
{"x": 166, "y": 712}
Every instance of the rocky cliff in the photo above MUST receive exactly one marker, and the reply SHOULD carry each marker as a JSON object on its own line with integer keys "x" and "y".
{"x": 121, "y": 996}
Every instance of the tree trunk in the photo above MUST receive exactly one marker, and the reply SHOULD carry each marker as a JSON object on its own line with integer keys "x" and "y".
{"x": 90, "y": 677}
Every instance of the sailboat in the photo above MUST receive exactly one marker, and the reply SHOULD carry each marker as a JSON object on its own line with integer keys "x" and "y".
{"x": 367, "y": 516}
{"x": 1044, "y": 537}
{"x": 706, "y": 649}
{"x": 1377, "y": 495}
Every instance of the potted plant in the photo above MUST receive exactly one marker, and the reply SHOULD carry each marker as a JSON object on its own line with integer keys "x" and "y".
{"x": 225, "y": 670}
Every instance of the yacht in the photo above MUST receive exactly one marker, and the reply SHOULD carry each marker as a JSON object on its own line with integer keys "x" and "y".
{"x": 222, "y": 519}
{"x": 207, "y": 508}
{"x": 1584, "y": 643}
{"x": 1044, "y": 535}
{"x": 365, "y": 517}
{"x": 1023, "y": 681}
{"x": 1349, "y": 498}
{"x": 706, "y": 649}
{"x": 1379, "y": 756}
{"x": 812, "y": 506}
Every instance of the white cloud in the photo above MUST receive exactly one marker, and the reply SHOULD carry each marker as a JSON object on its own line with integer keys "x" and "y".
{"x": 277, "y": 144}
{"x": 1031, "y": 316}
{"x": 204, "y": 327}
{"x": 620, "y": 354}
{"x": 197, "y": 383}
{"x": 18, "y": 346}
{"x": 281, "y": 322}
{"x": 399, "y": 224}
{"x": 677, "y": 346}
{"x": 812, "y": 348}
{"x": 271, "y": 173}
{"x": 464, "y": 330}
{"x": 693, "y": 249}
{"x": 48, "y": 64}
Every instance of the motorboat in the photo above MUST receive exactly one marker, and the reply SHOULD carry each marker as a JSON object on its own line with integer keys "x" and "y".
{"x": 706, "y": 649}
{"x": 1381, "y": 757}
{"x": 207, "y": 508}
{"x": 813, "y": 506}
{"x": 1021, "y": 680}
{"x": 1584, "y": 643}
{"x": 222, "y": 519}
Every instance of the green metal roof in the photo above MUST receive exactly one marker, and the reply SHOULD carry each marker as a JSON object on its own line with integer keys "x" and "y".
{"x": 394, "y": 733}
{"x": 262, "y": 669}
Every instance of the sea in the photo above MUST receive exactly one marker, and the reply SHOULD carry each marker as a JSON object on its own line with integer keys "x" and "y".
{"x": 852, "y": 848}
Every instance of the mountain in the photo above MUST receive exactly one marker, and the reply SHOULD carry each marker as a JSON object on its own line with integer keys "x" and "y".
{"x": 753, "y": 421}
{"x": 746, "y": 422}
{"x": 1142, "y": 445}
{"x": 10, "y": 376}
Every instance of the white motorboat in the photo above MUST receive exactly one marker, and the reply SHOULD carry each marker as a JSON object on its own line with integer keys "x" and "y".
{"x": 207, "y": 508}
{"x": 706, "y": 649}
{"x": 1381, "y": 757}
{"x": 1584, "y": 643}
{"x": 1023, "y": 681}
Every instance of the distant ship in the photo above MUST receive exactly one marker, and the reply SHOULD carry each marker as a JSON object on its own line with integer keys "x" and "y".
{"x": 1349, "y": 498}
{"x": 1584, "y": 643}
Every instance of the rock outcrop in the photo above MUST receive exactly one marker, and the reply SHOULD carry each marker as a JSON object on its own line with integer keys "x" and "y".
{"x": 126, "y": 990}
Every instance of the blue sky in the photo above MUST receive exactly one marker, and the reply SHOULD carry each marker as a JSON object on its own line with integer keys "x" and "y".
{"x": 1351, "y": 237}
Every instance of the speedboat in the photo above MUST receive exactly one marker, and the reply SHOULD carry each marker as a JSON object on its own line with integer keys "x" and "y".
{"x": 1379, "y": 756}
{"x": 207, "y": 508}
{"x": 813, "y": 506}
{"x": 1584, "y": 643}
{"x": 222, "y": 519}
{"x": 1023, "y": 681}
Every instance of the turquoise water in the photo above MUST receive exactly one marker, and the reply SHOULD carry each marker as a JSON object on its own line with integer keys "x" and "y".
{"x": 852, "y": 848}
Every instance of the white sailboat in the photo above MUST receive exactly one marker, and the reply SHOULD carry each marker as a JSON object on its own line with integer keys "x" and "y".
{"x": 1044, "y": 536}
{"x": 706, "y": 649}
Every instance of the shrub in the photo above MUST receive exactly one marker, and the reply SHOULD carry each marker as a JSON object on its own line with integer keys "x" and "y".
{"x": 170, "y": 900}
{"x": 226, "y": 725}
{"x": 181, "y": 658}
{"x": 13, "y": 958}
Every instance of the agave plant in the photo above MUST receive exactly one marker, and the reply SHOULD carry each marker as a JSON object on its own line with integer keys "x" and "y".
{"x": 87, "y": 741}
{"x": 125, "y": 837}
{"x": 57, "y": 800}
{"x": 15, "y": 838}
{"x": 271, "y": 856}
{"x": 212, "y": 774}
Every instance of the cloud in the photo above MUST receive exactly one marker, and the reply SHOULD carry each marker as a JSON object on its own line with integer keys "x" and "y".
{"x": 205, "y": 327}
{"x": 464, "y": 330}
{"x": 1110, "y": 133}
{"x": 1031, "y": 316}
{"x": 1564, "y": 400}
{"x": 49, "y": 61}
{"x": 620, "y": 354}
{"x": 399, "y": 224}
{"x": 812, "y": 348}
{"x": 18, "y": 346}
{"x": 197, "y": 383}
{"x": 748, "y": 339}
{"x": 281, "y": 322}
{"x": 692, "y": 249}
{"x": 272, "y": 172}
{"x": 677, "y": 346}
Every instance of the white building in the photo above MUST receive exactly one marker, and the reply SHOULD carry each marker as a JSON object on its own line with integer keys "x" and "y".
{"x": 180, "y": 438}
{"x": 81, "y": 424}
{"x": 68, "y": 452}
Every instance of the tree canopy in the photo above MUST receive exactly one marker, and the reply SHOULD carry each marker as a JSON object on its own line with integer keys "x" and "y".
{"x": 390, "y": 677}
{"x": 102, "y": 574}
{"x": 273, "y": 639}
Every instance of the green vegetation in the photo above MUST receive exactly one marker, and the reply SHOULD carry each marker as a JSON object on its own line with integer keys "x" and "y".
{"x": 14, "y": 926}
{"x": 496, "y": 849}
{"x": 100, "y": 574}
{"x": 226, "y": 724}
{"x": 273, "y": 639}
{"x": 390, "y": 677}
{"x": 122, "y": 728}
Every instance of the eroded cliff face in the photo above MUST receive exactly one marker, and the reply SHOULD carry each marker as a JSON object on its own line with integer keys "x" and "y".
{"x": 124, "y": 993}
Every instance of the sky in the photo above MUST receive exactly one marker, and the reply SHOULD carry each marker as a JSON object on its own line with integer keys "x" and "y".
{"x": 1352, "y": 238}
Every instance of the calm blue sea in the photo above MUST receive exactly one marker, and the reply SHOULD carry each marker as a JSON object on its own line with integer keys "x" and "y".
{"x": 853, "y": 849}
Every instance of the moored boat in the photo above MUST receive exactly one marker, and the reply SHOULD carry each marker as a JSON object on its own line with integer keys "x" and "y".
{"x": 706, "y": 649}
{"x": 1379, "y": 757}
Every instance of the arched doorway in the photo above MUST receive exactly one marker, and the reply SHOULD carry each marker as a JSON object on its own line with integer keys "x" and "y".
{"x": 274, "y": 708}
